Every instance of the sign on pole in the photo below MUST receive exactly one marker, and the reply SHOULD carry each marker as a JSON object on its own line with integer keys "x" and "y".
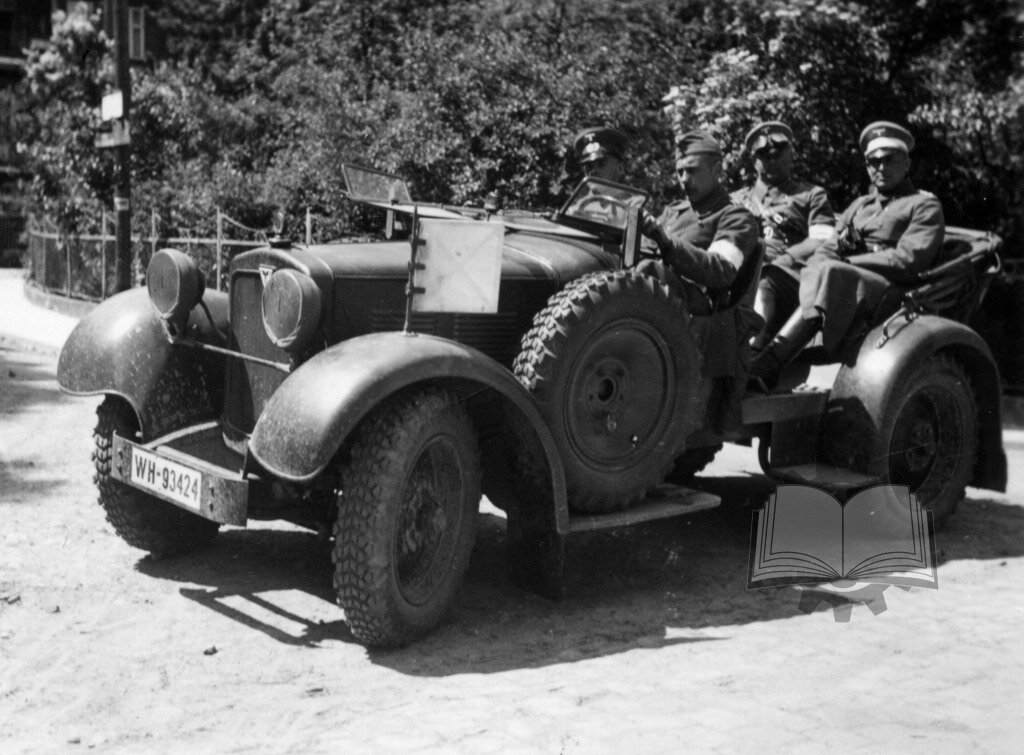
{"x": 112, "y": 106}
{"x": 118, "y": 136}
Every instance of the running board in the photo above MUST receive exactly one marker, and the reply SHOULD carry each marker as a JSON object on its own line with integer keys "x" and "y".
{"x": 778, "y": 407}
{"x": 666, "y": 501}
{"x": 823, "y": 476}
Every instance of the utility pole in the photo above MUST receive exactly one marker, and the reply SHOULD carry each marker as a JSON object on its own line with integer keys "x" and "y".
{"x": 123, "y": 186}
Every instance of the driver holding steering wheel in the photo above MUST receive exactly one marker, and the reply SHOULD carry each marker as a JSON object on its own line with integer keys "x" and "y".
{"x": 706, "y": 238}
{"x": 710, "y": 252}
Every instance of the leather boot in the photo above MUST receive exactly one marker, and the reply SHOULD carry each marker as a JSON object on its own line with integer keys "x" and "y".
{"x": 764, "y": 305}
{"x": 791, "y": 338}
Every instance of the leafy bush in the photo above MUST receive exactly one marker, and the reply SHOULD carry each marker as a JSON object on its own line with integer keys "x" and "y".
{"x": 263, "y": 100}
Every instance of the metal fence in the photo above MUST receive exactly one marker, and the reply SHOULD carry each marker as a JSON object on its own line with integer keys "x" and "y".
{"x": 81, "y": 266}
{"x": 11, "y": 228}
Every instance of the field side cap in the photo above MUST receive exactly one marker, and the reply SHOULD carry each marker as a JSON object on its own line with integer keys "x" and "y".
{"x": 697, "y": 143}
{"x": 596, "y": 142}
{"x": 885, "y": 135}
{"x": 765, "y": 133}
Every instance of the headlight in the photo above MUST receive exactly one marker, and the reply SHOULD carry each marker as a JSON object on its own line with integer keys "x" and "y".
{"x": 291, "y": 309}
{"x": 175, "y": 284}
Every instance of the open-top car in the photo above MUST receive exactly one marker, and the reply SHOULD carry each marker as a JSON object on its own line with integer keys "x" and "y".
{"x": 377, "y": 390}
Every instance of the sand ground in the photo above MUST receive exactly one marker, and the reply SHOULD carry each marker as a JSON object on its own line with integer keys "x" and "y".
{"x": 657, "y": 648}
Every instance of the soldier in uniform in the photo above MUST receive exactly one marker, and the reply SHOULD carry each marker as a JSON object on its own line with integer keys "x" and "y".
{"x": 709, "y": 248}
{"x": 795, "y": 216}
{"x": 602, "y": 152}
{"x": 887, "y": 236}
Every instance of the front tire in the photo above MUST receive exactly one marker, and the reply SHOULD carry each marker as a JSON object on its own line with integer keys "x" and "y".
{"x": 406, "y": 518}
{"x": 141, "y": 520}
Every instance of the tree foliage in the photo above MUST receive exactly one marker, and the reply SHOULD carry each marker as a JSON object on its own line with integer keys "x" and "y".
{"x": 64, "y": 80}
{"x": 262, "y": 100}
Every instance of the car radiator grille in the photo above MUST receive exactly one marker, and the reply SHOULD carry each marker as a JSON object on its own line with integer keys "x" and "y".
{"x": 249, "y": 385}
{"x": 496, "y": 335}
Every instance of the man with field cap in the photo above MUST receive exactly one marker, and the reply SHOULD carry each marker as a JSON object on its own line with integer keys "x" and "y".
{"x": 886, "y": 236}
{"x": 710, "y": 253}
{"x": 705, "y": 238}
{"x": 796, "y": 218}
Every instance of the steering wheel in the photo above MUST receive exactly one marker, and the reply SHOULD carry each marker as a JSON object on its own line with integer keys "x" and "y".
{"x": 602, "y": 200}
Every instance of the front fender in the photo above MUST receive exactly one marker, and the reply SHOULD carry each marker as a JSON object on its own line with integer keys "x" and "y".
{"x": 320, "y": 404}
{"x": 121, "y": 348}
{"x": 872, "y": 379}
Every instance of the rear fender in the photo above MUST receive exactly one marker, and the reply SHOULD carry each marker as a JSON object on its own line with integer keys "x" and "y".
{"x": 122, "y": 349}
{"x": 869, "y": 383}
{"x": 318, "y": 406}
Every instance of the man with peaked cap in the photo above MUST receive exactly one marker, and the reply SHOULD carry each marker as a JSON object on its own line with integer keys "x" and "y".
{"x": 602, "y": 152}
{"x": 886, "y": 236}
{"x": 710, "y": 252}
{"x": 796, "y": 217}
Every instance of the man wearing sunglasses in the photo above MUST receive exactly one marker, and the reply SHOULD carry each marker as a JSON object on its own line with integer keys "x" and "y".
{"x": 795, "y": 216}
{"x": 887, "y": 236}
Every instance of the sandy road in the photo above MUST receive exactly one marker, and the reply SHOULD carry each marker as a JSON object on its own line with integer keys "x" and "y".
{"x": 658, "y": 648}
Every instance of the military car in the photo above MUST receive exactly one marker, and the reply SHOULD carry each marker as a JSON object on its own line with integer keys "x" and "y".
{"x": 376, "y": 391}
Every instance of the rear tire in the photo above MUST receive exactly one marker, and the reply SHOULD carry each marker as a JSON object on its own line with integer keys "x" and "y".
{"x": 406, "y": 518}
{"x": 929, "y": 437}
{"x": 926, "y": 438}
{"x": 141, "y": 520}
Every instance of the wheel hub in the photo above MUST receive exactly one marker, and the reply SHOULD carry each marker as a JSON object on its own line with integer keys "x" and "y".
{"x": 621, "y": 397}
{"x": 424, "y": 523}
{"x": 608, "y": 388}
{"x": 920, "y": 448}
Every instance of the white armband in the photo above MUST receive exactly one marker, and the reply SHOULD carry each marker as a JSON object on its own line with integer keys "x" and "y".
{"x": 821, "y": 232}
{"x": 728, "y": 250}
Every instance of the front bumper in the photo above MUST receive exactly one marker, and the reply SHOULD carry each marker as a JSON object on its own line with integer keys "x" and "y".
{"x": 191, "y": 468}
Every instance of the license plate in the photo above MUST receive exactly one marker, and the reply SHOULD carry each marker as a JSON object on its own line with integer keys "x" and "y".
{"x": 173, "y": 480}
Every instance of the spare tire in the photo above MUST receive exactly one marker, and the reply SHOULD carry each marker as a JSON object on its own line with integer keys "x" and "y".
{"x": 615, "y": 368}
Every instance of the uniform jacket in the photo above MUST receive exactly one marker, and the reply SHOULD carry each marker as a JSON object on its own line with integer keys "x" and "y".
{"x": 895, "y": 237}
{"x": 786, "y": 213}
{"x": 900, "y": 234}
{"x": 722, "y": 335}
{"x": 716, "y": 218}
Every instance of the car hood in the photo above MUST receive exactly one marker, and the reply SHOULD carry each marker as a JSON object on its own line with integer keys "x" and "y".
{"x": 539, "y": 250}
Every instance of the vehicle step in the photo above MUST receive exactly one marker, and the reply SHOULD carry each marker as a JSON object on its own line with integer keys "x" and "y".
{"x": 666, "y": 501}
{"x": 776, "y": 407}
{"x": 824, "y": 476}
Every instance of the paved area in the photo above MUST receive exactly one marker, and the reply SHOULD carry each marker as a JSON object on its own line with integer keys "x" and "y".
{"x": 24, "y": 322}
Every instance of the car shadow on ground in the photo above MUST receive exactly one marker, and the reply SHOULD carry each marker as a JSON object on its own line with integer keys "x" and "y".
{"x": 649, "y": 586}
